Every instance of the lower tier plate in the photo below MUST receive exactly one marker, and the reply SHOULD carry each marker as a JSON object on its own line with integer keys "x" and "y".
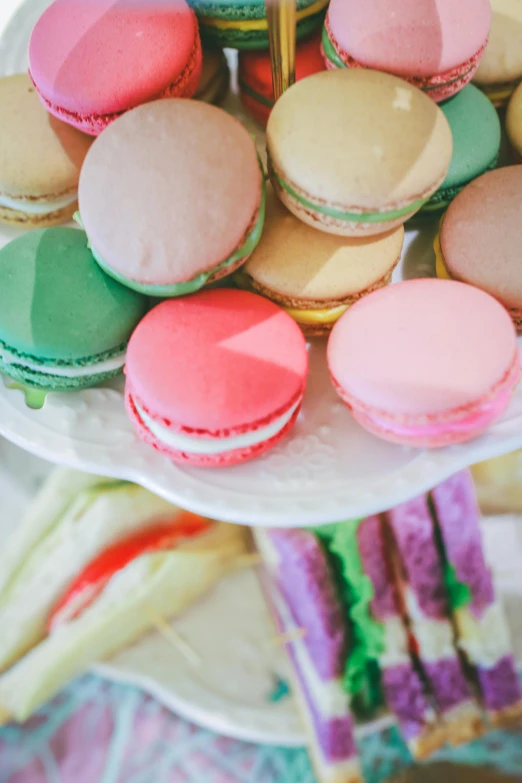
{"x": 235, "y": 689}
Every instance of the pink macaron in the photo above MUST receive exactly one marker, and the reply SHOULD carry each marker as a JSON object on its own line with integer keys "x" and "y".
{"x": 93, "y": 60}
{"x": 425, "y": 363}
{"x": 435, "y": 45}
{"x": 216, "y": 378}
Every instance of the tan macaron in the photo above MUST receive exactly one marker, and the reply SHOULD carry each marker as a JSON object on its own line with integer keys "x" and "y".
{"x": 500, "y": 69}
{"x": 356, "y": 152}
{"x": 40, "y": 159}
{"x": 314, "y": 276}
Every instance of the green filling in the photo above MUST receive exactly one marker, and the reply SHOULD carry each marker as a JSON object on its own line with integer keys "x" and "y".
{"x": 329, "y": 50}
{"x": 352, "y": 217}
{"x": 362, "y": 674}
{"x": 196, "y": 283}
{"x": 444, "y": 196}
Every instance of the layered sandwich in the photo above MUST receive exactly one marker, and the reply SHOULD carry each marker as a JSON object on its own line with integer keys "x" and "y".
{"x": 93, "y": 565}
{"x": 394, "y": 612}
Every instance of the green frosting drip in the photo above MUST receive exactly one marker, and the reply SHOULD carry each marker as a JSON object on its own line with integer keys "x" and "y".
{"x": 196, "y": 283}
{"x": 366, "y": 217}
{"x": 329, "y": 50}
{"x": 361, "y": 679}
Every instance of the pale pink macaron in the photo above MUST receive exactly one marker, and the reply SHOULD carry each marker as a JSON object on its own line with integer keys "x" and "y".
{"x": 435, "y": 45}
{"x": 93, "y": 60}
{"x": 425, "y": 363}
{"x": 215, "y": 378}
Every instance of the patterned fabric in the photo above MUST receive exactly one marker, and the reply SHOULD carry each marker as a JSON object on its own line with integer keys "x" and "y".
{"x": 101, "y": 732}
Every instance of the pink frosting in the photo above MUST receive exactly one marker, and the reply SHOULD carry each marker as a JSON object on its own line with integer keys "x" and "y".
{"x": 96, "y": 57}
{"x": 424, "y": 353}
{"x": 220, "y": 362}
{"x": 410, "y": 37}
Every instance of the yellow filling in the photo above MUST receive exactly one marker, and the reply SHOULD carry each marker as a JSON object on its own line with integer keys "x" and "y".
{"x": 317, "y": 317}
{"x": 440, "y": 266}
{"x": 246, "y": 25}
{"x": 498, "y": 94}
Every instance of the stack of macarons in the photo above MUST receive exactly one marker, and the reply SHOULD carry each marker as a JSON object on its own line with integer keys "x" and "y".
{"x": 381, "y": 124}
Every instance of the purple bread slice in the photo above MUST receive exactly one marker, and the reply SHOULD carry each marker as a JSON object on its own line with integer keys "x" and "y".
{"x": 302, "y": 596}
{"x": 482, "y": 629}
{"x": 404, "y": 690}
{"x": 420, "y": 572}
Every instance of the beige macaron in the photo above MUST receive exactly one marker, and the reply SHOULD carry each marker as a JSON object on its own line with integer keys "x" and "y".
{"x": 215, "y": 77}
{"x": 500, "y": 69}
{"x": 356, "y": 152}
{"x": 316, "y": 276}
{"x": 40, "y": 159}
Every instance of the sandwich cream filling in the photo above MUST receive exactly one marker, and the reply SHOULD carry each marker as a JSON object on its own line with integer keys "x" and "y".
{"x": 107, "y": 365}
{"x": 200, "y": 445}
{"x": 485, "y": 640}
{"x": 38, "y": 207}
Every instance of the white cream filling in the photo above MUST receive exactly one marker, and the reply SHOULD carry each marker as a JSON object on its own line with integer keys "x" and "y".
{"x": 396, "y": 648}
{"x": 108, "y": 365}
{"x": 485, "y": 640}
{"x": 192, "y": 445}
{"x": 329, "y": 696}
{"x": 38, "y": 207}
{"x": 435, "y": 637}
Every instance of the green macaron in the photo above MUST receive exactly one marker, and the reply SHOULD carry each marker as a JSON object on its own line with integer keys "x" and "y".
{"x": 242, "y": 24}
{"x": 64, "y": 323}
{"x": 476, "y": 132}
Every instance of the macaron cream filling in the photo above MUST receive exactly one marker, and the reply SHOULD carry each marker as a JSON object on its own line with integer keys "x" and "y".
{"x": 110, "y": 362}
{"x": 40, "y": 206}
{"x": 200, "y": 445}
{"x": 353, "y": 217}
{"x": 194, "y": 284}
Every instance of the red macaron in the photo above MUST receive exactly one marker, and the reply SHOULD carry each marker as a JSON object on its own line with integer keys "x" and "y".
{"x": 255, "y": 75}
{"x": 93, "y": 60}
{"x": 215, "y": 378}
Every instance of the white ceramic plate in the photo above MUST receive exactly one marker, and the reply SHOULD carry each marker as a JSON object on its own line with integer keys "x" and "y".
{"x": 231, "y": 633}
{"x": 327, "y": 469}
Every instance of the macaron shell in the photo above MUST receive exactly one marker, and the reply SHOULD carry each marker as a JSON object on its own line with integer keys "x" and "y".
{"x": 420, "y": 350}
{"x": 20, "y": 219}
{"x": 76, "y": 67}
{"x": 410, "y": 37}
{"x": 359, "y": 140}
{"x": 57, "y": 304}
{"x": 39, "y": 155}
{"x": 502, "y": 61}
{"x": 243, "y": 361}
{"x": 185, "y": 191}
{"x": 481, "y": 235}
{"x": 514, "y": 123}
{"x": 297, "y": 263}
